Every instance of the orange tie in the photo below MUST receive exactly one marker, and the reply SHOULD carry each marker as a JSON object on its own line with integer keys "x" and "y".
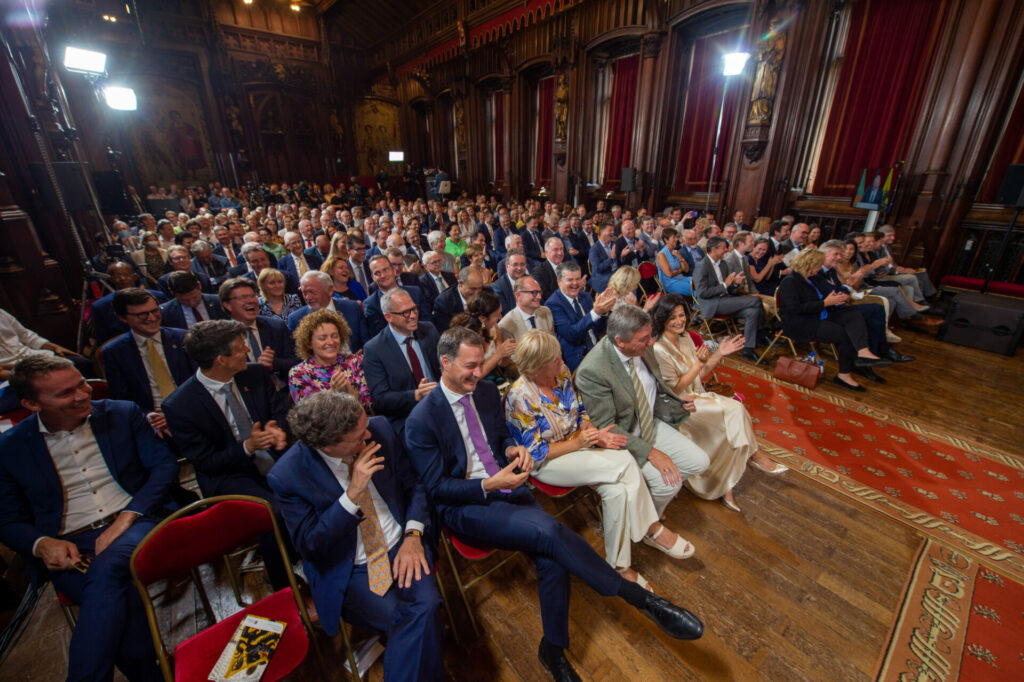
{"x": 378, "y": 567}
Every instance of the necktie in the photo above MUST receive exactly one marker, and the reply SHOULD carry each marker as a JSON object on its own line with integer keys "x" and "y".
{"x": 533, "y": 321}
{"x": 254, "y": 345}
{"x": 301, "y": 262}
{"x": 414, "y": 361}
{"x": 309, "y": 243}
{"x": 440, "y": 283}
{"x": 378, "y": 568}
{"x": 476, "y": 435}
{"x": 198, "y": 315}
{"x": 577, "y": 308}
{"x": 238, "y": 413}
{"x": 160, "y": 372}
{"x": 231, "y": 256}
{"x": 643, "y": 408}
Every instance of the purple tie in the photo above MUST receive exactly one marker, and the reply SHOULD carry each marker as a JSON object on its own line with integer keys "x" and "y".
{"x": 476, "y": 434}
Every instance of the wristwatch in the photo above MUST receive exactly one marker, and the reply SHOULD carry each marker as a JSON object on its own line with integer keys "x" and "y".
{"x": 413, "y": 532}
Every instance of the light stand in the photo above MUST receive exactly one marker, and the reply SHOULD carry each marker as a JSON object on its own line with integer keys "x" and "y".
{"x": 732, "y": 65}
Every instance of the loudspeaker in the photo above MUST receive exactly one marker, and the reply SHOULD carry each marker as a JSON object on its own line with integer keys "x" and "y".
{"x": 110, "y": 191}
{"x": 985, "y": 322}
{"x": 1012, "y": 191}
{"x": 627, "y": 180}
{"x": 71, "y": 181}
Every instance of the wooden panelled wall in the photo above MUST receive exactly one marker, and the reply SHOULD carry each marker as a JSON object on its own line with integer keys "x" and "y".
{"x": 964, "y": 134}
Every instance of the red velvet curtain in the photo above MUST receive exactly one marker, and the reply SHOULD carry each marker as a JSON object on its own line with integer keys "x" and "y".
{"x": 499, "y": 137}
{"x": 625, "y": 74}
{"x": 885, "y": 68}
{"x": 702, "y": 101}
{"x": 1010, "y": 151}
{"x": 545, "y": 131}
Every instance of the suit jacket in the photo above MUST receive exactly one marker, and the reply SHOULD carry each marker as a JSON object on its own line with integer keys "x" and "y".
{"x": 708, "y": 290}
{"x": 219, "y": 250}
{"x": 632, "y": 258}
{"x": 503, "y": 288}
{"x": 352, "y": 313}
{"x": 446, "y": 306}
{"x": 389, "y": 377}
{"x": 800, "y": 307}
{"x": 174, "y": 316}
{"x": 428, "y": 286}
{"x": 574, "y": 331}
{"x": 274, "y": 333}
{"x": 601, "y": 267}
{"x": 375, "y": 316}
{"x": 532, "y": 247}
{"x": 291, "y": 283}
{"x": 286, "y": 264}
{"x": 545, "y": 275}
{"x": 126, "y": 372}
{"x": 204, "y": 434}
{"x": 204, "y": 283}
{"x": 324, "y": 532}
{"x": 607, "y": 391}
{"x": 435, "y": 446}
{"x": 105, "y": 324}
{"x": 313, "y": 251}
{"x": 216, "y": 271}
{"x": 32, "y": 497}
{"x": 513, "y": 326}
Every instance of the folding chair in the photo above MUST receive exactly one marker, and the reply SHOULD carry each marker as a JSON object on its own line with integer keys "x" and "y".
{"x": 779, "y": 335}
{"x": 469, "y": 552}
{"x": 724, "y": 320}
{"x": 200, "y": 533}
{"x": 648, "y": 274}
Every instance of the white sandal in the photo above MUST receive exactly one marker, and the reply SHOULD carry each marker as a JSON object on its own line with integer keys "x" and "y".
{"x": 640, "y": 580}
{"x": 680, "y": 550}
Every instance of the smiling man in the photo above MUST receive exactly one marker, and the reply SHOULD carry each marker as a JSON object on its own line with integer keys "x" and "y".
{"x": 268, "y": 339}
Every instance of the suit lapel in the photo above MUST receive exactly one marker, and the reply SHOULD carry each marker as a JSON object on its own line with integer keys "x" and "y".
{"x": 101, "y": 429}
{"x": 455, "y": 446}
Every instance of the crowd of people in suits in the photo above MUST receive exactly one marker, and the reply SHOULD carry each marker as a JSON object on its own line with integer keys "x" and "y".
{"x": 378, "y": 373}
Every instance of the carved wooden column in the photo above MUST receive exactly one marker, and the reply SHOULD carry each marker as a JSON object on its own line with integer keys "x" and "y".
{"x": 642, "y": 139}
{"x": 560, "y": 144}
{"x": 506, "y": 131}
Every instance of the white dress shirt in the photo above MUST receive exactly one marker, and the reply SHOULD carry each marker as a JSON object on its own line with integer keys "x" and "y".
{"x": 261, "y": 458}
{"x": 646, "y": 380}
{"x": 475, "y": 467}
{"x": 17, "y": 341}
{"x": 142, "y": 343}
{"x": 90, "y": 491}
{"x": 389, "y": 526}
{"x": 190, "y": 318}
{"x": 400, "y": 340}
{"x": 718, "y": 272}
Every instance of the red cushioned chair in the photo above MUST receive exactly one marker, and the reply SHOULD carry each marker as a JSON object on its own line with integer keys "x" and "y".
{"x": 650, "y": 283}
{"x": 725, "y": 321}
{"x": 201, "y": 533}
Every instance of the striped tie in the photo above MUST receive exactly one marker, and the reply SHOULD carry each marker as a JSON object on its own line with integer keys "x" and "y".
{"x": 378, "y": 566}
{"x": 643, "y": 408}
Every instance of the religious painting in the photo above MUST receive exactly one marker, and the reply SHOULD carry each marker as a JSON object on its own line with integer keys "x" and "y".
{"x": 170, "y": 140}
{"x": 376, "y": 132}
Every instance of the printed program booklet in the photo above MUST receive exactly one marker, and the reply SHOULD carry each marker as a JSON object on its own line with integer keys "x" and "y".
{"x": 246, "y": 656}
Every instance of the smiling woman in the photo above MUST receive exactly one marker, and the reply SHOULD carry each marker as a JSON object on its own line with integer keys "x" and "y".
{"x": 321, "y": 340}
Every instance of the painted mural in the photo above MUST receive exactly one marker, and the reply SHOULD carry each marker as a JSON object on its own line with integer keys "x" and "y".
{"x": 376, "y": 133}
{"x": 170, "y": 140}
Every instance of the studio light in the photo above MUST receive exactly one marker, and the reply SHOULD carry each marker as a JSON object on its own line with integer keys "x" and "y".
{"x": 120, "y": 98}
{"x": 733, "y": 63}
{"x": 295, "y": 7}
{"x": 85, "y": 61}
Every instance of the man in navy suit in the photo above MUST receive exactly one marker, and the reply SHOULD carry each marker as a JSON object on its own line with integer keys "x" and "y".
{"x": 227, "y": 248}
{"x": 190, "y": 304}
{"x": 139, "y": 364}
{"x": 105, "y": 323}
{"x": 532, "y": 241}
{"x": 434, "y": 281}
{"x": 383, "y": 273}
{"x": 504, "y": 286}
{"x": 270, "y": 343}
{"x": 602, "y": 259}
{"x": 474, "y": 473}
{"x": 350, "y": 499}
{"x": 258, "y": 259}
{"x": 296, "y": 262}
{"x": 456, "y": 299}
{"x": 546, "y": 273}
{"x": 317, "y": 290}
{"x": 400, "y": 363}
{"x": 208, "y": 264}
{"x": 179, "y": 260}
{"x": 225, "y": 419}
{"x": 83, "y": 478}
{"x": 579, "y": 320}
{"x": 321, "y": 247}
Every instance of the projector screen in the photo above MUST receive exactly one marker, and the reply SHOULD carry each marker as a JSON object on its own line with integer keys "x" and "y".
{"x": 394, "y": 157}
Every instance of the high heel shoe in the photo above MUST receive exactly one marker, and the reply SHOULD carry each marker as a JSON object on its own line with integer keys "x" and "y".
{"x": 774, "y": 471}
{"x": 731, "y": 504}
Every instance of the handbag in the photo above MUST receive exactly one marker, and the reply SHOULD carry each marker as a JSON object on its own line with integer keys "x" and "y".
{"x": 802, "y": 373}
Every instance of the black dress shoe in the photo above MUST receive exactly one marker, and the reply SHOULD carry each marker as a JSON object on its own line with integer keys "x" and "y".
{"x": 764, "y": 339}
{"x": 858, "y": 388}
{"x": 554, "y": 661}
{"x": 869, "y": 374}
{"x": 897, "y": 356}
{"x": 750, "y": 354}
{"x": 871, "y": 362}
{"x": 674, "y": 620}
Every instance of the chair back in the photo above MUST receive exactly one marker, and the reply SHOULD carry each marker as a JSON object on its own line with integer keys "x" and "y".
{"x": 648, "y": 270}
{"x": 697, "y": 339}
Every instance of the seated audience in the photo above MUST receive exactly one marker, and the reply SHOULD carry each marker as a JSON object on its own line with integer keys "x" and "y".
{"x": 344, "y": 285}
{"x": 52, "y": 510}
{"x": 438, "y": 244}
{"x": 190, "y": 304}
{"x": 720, "y": 426}
{"x": 628, "y": 249}
{"x": 454, "y": 244}
{"x": 528, "y": 313}
{"x": 206, "y": 263}
{"x": 455, "y": 300}
{"x": 274, "y": 300}
{"x": 673, "y": 269}
{"x": 579, "y": 320}
{"x": 321, "y": 342}
{"x": 357, "y": 516}
{"x": 504, "y": 286}
{"x": 317, "y": 289}
{"x": 809, "y": 315}
{"x": 400, "y": 363}
{"x": 270, "y": 342}
{"x": 602, "y": 259}
{"x": 296, "y": 261}
{"x": 482, "y": 316}
{"x": 434, "y": 280}
{"x": 546, "y": 273}
{"x": 105, "y": 323}
{"x": 225, "y": 420}
{"x": 476, "y": 256}
{"x": 917, "y": 283}
{"x": 385, "y": 279}
{"x": 459, "y": 443}
{"x": 547, "y": 417}
{"x": 717, "y": 293}
{"x": 764, "y": 267}
{"x": 257, "y": 260}
{"x": 151, "y": 259}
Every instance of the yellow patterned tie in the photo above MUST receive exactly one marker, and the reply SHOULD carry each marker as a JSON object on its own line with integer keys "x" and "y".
{"x": 643, "y": 408}
{"x": 302, "y": 266}
{"x": 378, "y": 565}
{"x": 160, "y": 372}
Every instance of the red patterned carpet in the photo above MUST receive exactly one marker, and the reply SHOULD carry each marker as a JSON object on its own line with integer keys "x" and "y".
{"x": 954, "y": 490}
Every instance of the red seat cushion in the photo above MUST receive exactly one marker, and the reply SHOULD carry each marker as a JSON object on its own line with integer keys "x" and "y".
{"x": 975, "y": 284}
{"x": 467, "y": 550}
{"x": 195, "y": 657}
{"x": 551, "y": 490}
{"x": 648, "y": 270}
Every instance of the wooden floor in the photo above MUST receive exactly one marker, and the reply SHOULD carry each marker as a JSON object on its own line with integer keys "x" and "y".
{"x": 801, "y": 586}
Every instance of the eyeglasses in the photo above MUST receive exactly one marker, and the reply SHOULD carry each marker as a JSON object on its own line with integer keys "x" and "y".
{"x": 155, "y": 312}
{"x": 530, "y": 292}
{"x": 408, "y": 313}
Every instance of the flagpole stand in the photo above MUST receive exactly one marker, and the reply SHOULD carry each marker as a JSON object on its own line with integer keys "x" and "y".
{"x": 871, "y": 221}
